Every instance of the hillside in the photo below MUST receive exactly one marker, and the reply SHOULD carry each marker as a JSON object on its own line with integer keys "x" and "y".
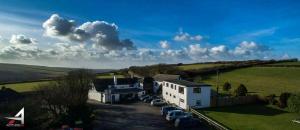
{"x": 20, "y": 72}
{"x": 259, "y": 80}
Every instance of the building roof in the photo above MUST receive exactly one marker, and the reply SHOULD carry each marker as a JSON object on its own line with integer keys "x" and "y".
{"x": 102, "y": 84}
{"x": 188, "y": 83}
{"x": 127, "y": 90}
{"x": 164, "y": 77}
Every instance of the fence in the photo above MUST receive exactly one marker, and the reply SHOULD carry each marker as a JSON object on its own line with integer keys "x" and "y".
{"x": 208, "y": 120}
{"x": 230, "y": 101}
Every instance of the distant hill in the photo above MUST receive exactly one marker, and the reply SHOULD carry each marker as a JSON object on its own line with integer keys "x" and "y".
{"x": 20, "y": 73}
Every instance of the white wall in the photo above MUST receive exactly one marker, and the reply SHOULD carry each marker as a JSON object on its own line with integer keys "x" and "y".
{"x": 156, "y": 85}
{"x": 204, "y": 97}
{"x": 189, "y": 98}
{"x": 93, "y": 94}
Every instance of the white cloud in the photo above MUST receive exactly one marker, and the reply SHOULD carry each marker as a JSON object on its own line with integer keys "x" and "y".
{"x": 185, "y": 37}
{"x": 20, "y": 51}
{"x": 21, "y": 39}
{"x": 164, "y": 44}
{"x": 102, "y": 34}
{"x": 250, "y": 48}
{"x": 286, "y": 56}
{"x": 217, "y": 50}
{"x": 58, "y": 26}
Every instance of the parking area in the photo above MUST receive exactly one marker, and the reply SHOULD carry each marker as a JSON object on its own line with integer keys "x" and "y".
{"x": 134, "y": 116}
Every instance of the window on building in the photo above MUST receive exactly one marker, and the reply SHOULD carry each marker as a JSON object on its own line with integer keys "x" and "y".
{"x": 174, "y": 96}
{"x": 170, "y": 95}
{"x": 181, "y": 90}
{"x": 175, "y": 87}
{"x": 196, "y": 90}
{"x": 167, "y": 84}
{"x": 181, "y": 100}
{"x": 198, "y": 103}
{"x": 166, "y": 93}
{"x": 172, "y": 86}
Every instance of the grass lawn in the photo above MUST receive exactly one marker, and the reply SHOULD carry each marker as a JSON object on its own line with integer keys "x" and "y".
{"x": 199, "y": 66}
{"x": 253, "y": 117}
{"x": 24, "y": 87}
{"x": 259, "y": 80}
{"x": 287, "y": 63}
{"x": 108, "y": 75}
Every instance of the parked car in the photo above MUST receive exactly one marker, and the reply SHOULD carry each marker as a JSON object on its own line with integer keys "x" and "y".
{"x": 143, "y": 97}
{"x": 164, "y": 110}
{"x": 186, "y": 122}
{"x": 174, "y": 114}
{"x": 157, "y": 102}
{"x": 148, "y": 99}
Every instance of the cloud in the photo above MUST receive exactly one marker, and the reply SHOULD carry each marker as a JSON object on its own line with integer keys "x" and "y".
{"x": 20, "y": 51}
{"x": 285, "y": 56}
{"x": 58, "y": 26}
{"x": 185, "y": 37}
{"x": 218, "y": 50}
{"x": 102, "y": 34}
{"x": 250, "y": 48}
{"x": 21, "y": 39}
{"x": 164, "y": 44}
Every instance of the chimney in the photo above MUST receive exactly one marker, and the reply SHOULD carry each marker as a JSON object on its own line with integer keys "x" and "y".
{"x": 115, "y": 80}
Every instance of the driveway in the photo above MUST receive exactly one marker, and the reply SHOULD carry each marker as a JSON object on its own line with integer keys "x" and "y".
{"x": 134, "y": 116}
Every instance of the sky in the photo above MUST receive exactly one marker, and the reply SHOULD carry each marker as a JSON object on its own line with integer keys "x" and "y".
{"x": 121, "y": 33}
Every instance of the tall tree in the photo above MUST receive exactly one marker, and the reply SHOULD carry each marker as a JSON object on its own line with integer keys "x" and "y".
{"x": 226, "y": 86}
{"x": 241, "y": 90}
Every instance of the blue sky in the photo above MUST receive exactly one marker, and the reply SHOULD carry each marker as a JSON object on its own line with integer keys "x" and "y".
{"x": 206, "y": 30}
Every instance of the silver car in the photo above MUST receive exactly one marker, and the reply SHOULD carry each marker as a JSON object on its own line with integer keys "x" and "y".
{"x": 174, "y": 114}
{"x": 157, "y": 102}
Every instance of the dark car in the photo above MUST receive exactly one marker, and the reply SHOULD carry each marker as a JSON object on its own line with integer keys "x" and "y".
{"x": 148, "y": 99}
{"x": 143, "y": 97}
{"x": 164, "y": 110}
{"x": 187, "y": 122}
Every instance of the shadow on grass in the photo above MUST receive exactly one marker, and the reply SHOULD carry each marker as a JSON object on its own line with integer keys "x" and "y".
{"x": 248, "y": 110}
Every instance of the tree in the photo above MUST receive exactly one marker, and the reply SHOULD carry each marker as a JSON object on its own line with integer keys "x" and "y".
{"x": 226, "y": 86}
{"x": 294, "y": 103}
{"x": 148, "y": 85}
{"x": 241, "y": 90}
{"x": 283, "y": 99}
{"x": 66, "y": 97}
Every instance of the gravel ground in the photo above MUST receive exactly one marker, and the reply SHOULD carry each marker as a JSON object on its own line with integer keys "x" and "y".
{"x": 134, "y": 116}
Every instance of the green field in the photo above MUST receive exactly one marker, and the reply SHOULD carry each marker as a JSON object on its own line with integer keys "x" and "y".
{"x": 199, "y": 66}
{"x": 254, "y": 117}
{"x": 259, "y": 80}
{"x": 25, "y": 87}
{"x": 287, "y": 63}
{"x": 108, "y": 75}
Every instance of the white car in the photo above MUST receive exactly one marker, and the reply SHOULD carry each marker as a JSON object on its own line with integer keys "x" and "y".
{"x": 157, "y": 102}
{"x": 173, "y": 115}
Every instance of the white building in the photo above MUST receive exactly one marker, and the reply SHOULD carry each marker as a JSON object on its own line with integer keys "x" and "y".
{"x": 186, "y": 94}
{"x": 159, "y": 78}
{"x": 115, "y": 90}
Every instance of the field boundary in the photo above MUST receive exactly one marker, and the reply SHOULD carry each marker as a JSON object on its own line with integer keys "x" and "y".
{"x": 216, "y": 124}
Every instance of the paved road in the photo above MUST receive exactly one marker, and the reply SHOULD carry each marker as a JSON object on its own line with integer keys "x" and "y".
{"x": 135, "y": 116}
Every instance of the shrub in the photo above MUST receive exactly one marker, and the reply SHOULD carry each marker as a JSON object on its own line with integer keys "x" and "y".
{"x": 294, "y": 103}
{"x": 283, "y": 99}
{"x": 226, "y": 86}
{"x": 241, "y": 90}
{"x": 271, "y": 99}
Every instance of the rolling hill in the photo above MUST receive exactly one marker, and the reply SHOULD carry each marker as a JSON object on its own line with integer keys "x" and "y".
{"x": 10, "y": 73}
{"x": 259, "y": 80}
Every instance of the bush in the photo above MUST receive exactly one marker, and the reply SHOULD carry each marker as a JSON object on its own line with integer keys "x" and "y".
{"x": 226, "y": 86}
{"x": 283, "y": 99}
{"x": 294, "y": 103}
{"x": 271, "y": 99}
{"x": 241, "y": 90}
